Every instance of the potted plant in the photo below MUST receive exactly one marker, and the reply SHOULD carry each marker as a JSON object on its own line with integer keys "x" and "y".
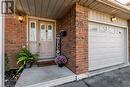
{"x": 61, "y": 60}
{"x": 25, "y": 58}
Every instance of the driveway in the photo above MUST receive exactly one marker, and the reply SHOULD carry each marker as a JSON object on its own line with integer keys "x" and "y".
{"x": 115, "y": 78}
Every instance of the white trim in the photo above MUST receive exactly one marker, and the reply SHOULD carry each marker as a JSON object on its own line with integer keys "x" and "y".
{"x": 52, "y": 30}
{"x": 100, "y": 22}
{"x": 127, "y": 45}
{"x": 40, "y": 24}
{"x": 27, "y": 27}
{"x": 114, "y": 5}
{"x": 32, "y": 21}
{"x": 36, "y": 19}
{"x": 81, "y": 76}
{"x": 44, "y": 19}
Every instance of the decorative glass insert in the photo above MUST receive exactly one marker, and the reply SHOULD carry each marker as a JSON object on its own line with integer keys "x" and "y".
{"x": 43, "y": 32}
{"x": 33, "y": 31}
{"x": 50, "y": 32}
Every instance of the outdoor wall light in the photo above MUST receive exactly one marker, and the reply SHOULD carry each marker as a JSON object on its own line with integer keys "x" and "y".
{"x": 113, "y": 19}
{"x": 20, "y": 18}
{"x": 63, "y": 33}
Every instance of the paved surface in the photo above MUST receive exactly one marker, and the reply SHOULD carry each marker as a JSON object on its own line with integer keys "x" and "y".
{"x": 37, "y": 75}
{"x": 116, "y": 78}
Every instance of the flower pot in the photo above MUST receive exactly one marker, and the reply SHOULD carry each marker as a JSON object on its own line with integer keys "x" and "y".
{"x": 28, "y": 65}
{"x": 61, "y": 65}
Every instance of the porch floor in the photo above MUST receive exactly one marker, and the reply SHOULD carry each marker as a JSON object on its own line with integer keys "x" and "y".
{"x": 45, "y": 76}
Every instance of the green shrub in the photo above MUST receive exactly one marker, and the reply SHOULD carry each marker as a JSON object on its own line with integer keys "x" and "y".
{"x": 6, "y": 62}
{"x": 25, "y": 56}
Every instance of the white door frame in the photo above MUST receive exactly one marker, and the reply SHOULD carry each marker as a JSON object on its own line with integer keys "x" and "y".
{"x": 36, "y": 19}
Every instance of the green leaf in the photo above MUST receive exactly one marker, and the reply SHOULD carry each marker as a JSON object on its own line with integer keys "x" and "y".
{"x": 20, "y": 68}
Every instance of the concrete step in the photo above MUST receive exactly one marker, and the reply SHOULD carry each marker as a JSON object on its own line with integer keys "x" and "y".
{"x": 45, "y": 62}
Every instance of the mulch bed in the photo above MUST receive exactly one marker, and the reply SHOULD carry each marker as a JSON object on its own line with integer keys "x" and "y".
{"x": 11, "y": 77}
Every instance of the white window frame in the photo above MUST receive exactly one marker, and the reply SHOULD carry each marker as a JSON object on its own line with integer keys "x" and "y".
{"x": 30, "y": 30}
{"x": 45, "y": 30}
{"x": 52, "y": 30}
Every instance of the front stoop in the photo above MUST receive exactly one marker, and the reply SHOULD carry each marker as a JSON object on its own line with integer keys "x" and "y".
{"x": 45, "y": 62}
{"x": 47, "y": 76}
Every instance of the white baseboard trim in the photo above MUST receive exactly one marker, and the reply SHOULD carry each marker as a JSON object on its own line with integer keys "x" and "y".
{"x": 81, "y": 76}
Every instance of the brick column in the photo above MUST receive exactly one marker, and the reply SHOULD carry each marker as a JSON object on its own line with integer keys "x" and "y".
{"x": 81, "y": 39}
{"x": 75, "y": 44}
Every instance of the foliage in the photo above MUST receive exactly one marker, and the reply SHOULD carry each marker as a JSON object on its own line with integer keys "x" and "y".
{"x": 25, "y": 56}
{"x": 61, "y": 60}
{"x": 6, "y": 62}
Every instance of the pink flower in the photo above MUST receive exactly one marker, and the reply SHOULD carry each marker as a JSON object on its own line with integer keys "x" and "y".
{"x": 61, "y": 59}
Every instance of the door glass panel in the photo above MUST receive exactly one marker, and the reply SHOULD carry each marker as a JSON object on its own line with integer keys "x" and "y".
{"x": 50, "y": 32}
{"x": 43, "y": 33}
{"x": 33, "y": 31}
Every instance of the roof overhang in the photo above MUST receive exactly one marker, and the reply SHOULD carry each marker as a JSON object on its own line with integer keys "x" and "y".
{"x": 56, "y": 9}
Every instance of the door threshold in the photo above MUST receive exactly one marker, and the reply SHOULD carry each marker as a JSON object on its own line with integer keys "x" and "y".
{"x": 46, "y": 62}
{"x": 46, "y": 59}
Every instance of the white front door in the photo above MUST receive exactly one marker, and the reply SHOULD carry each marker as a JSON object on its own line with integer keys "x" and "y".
{"x": 106, "y": 45}
{"x": 42, "y": 39}
{"x": 46, "y": 40}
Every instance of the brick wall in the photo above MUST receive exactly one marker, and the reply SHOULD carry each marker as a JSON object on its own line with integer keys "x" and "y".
{"x": 15, "y": 38}
{"x": 75, "y": 43}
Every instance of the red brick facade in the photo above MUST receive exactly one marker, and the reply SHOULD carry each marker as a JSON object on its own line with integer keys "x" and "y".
{"x": 75, "y": 43}
{"x": 15, "y": 38}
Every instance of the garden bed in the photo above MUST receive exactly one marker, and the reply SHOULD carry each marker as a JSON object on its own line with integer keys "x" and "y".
{"x": 11, "y": 77}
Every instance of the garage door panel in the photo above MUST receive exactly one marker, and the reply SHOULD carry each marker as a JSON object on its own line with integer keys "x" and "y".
{"x": 105, "y": 58}
{"x": 97, "y": 51}
{"x": 102, "y": 39}
{"x": 106, "y": 45}
{"x": 105, "y": 63}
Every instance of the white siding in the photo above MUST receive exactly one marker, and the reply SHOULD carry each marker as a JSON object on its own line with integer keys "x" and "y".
{"x": 106, "y": 18}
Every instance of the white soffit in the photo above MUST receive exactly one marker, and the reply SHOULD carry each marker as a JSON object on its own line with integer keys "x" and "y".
{"x": 56, "y": 9}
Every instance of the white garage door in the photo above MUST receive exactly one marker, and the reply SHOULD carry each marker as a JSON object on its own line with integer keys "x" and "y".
{"x": 106, "y": 45}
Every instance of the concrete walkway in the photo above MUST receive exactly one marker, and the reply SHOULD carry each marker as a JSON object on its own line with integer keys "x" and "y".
{"x": 115, "y": 78}
{"x": 45, "y": 76}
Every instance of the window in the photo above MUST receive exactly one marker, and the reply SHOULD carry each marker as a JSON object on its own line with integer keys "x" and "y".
{"x": 43, "y": 32}
{"x": 50, "y": 32}
{"x": 32, "y": 31}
